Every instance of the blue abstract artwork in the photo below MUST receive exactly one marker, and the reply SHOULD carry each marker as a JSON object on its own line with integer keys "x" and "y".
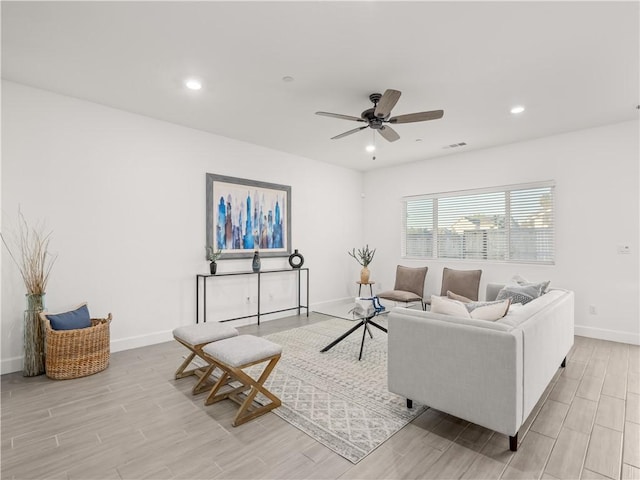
{"x": 246, "y": 215}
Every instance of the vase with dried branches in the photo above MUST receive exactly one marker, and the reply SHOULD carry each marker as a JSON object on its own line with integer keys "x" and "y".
{"x": 364, "y": 256}
{"x": 34, "y": 261}
{"x": 213, "y": 256}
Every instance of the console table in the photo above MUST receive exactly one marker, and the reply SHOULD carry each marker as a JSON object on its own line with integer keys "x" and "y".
{"x": 259, "y": 274}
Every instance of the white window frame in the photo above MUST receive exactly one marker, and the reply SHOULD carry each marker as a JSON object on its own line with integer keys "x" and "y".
{"x": 507, "y": 190}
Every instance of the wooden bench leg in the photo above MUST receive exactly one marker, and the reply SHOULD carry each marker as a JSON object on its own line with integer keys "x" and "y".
{"x": 196, "y": 350}
{"x": 247, "y": 410}
{"x": 203, "y": 383}
{"x": 181, "y": 373}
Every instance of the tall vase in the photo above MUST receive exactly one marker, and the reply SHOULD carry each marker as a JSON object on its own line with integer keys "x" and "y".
{"x": 33, "y": 336}
{"x": 255, "y": 264}
{"x": 364, "y": 275}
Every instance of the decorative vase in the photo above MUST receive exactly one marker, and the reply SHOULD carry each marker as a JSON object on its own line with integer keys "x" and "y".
{"x": 364, "y": 275}
{"x": 295, "y": 259}
{"x": 255, "y": 265}
{"x": 213, "y": 268}
{"x": 33, "y": 336}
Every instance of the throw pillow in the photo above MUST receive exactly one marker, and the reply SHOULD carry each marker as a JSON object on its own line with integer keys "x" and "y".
{"x": 78, "y": 318}
{"x": 460, "y": 298}
{"x": 519, "y": 293}
{"x": 523, "y": 282}
{"x": 488, "y": 310}
{"x": 447, "y": 306}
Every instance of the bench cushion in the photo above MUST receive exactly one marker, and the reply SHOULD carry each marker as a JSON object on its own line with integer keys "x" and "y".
{"x": 202, "y": 333}
{"x": 242, "y": 350}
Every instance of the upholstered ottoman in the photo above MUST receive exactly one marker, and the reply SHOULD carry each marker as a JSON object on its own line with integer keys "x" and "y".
{"x": 232, "y": 355}
{"x": 194, "y": 337}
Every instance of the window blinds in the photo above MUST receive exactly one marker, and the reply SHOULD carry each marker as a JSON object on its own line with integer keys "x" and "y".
{"x": 510, "y": 224}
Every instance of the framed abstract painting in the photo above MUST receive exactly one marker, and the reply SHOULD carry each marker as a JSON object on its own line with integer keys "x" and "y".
{"x": 247, "y": 215}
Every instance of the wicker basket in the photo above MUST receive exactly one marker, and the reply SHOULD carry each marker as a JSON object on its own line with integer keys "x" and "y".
{"x": 76, "y": 353}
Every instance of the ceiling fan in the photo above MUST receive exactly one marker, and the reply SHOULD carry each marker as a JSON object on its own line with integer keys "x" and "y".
{"x": 379, "y": 115}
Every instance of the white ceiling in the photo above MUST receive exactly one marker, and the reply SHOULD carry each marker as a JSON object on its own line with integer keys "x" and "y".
{"x": 573, "y": 65}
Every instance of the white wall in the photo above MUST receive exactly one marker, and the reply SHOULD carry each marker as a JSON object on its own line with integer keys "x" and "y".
{"x": 596, "y": 173}
{"x": 125, "y": 197}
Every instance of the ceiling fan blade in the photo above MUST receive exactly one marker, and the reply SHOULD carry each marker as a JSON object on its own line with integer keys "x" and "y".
{"x": 386, "y": 103}
{"x": 349, "y": 132}
{"x": 389, "y": 134}
{"x": 417, "y": 117}
{"x": 339, "y": 115}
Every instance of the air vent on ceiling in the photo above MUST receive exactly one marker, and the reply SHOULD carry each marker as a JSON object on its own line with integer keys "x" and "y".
{"x": 456, "y": 145}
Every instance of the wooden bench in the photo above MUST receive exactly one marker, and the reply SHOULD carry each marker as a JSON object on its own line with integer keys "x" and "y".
{"x": 232, "y": 355}
{"x": 195, "y": 337}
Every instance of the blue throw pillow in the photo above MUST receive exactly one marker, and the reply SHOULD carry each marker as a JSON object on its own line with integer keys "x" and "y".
{"x": 78, "y": 318}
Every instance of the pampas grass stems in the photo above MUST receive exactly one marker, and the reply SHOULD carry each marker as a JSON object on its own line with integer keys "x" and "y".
{"x": 35, "y": 261}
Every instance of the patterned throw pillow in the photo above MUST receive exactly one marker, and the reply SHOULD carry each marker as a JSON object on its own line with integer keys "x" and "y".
{"x": 491, "y": 311}
{"x": 523, "y": 282}
{"x": 519, "y": 293}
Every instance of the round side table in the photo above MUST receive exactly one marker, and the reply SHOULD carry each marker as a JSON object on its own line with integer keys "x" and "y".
{"x": 360, "y": 284}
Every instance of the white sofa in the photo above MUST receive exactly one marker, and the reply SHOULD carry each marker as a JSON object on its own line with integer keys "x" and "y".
{"x": 488, "y": 373}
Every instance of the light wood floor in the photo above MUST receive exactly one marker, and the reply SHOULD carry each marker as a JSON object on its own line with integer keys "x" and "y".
{"x": 134, "y": 421}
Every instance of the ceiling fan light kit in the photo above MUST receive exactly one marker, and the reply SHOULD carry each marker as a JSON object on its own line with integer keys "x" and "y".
{"x": 378, "y": 117}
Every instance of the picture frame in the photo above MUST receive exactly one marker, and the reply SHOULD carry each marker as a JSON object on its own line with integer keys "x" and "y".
{"x": 246, "y": 215}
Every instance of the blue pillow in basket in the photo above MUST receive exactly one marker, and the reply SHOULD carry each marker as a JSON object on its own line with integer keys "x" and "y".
{"x": 78, "y": 318}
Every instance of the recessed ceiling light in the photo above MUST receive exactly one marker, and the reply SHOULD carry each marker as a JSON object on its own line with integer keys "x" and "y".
{"x": 370, "y": 148}
{"x": 193, "y": 84}
{"x": 517, "y": 109}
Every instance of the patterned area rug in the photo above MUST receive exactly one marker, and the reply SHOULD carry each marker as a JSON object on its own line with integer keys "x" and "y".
{"x": 341, "y": 402}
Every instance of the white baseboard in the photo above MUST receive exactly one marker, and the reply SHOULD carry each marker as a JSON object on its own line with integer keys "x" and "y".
{"x": 331, "y": 303}
{"x": 610, "y": 335}
{"x": 141, "y": 341}
{"x": 10, "y": 365}
{"x": 14, "y": 364}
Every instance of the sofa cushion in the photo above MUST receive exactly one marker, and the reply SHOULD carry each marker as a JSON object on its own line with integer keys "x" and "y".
{"x": 400, "y": 296}
{"x": 420, "y": 315}
{"x": 519, "y": 313}
{"x": 491, "y": 311}
{"x": 447, "y": 306}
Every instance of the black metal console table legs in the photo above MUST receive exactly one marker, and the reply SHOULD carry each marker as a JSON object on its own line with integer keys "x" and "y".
{"x": 259, "y": 274}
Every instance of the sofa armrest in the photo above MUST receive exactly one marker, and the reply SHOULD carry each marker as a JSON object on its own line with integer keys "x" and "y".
{"x": 548, "y": 337}
{"x": 468, "y": 371}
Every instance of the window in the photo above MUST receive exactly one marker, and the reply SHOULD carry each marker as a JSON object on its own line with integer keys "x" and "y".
{"x": 504, "y": 224}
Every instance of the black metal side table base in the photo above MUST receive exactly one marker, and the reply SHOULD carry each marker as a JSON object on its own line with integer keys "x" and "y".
{"x": 365, "y": 322}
